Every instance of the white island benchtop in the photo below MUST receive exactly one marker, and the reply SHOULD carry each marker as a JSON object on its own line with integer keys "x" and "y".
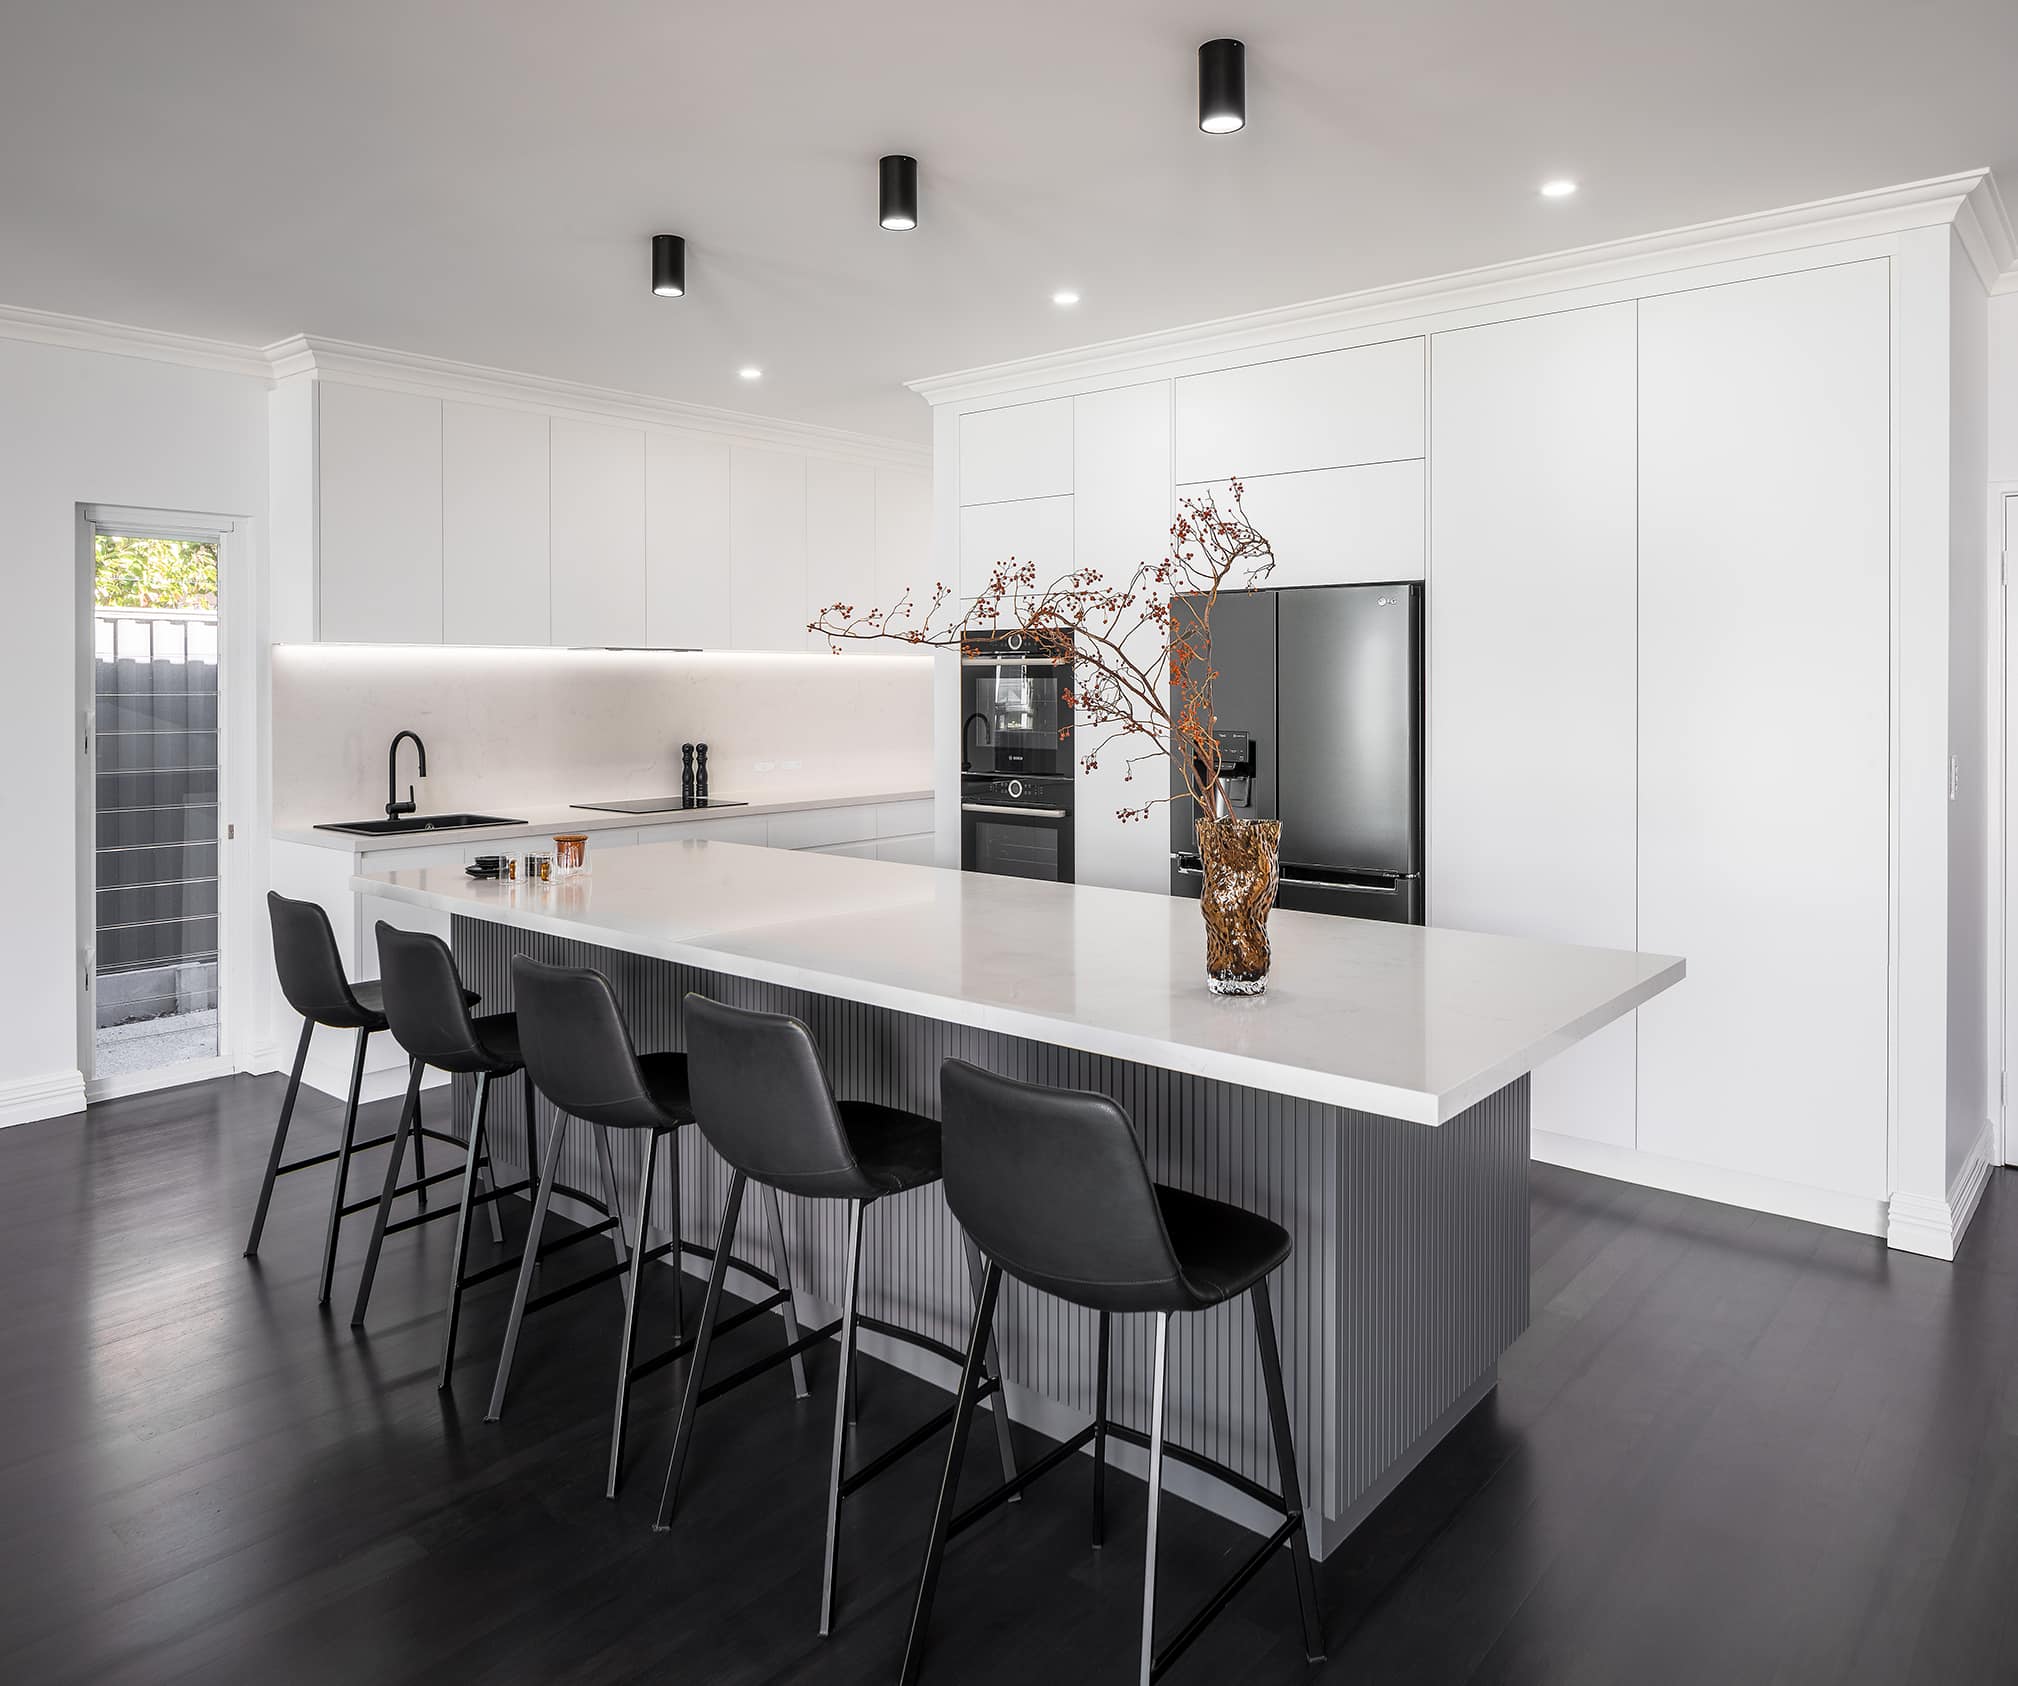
{"x": 1412, "y": 1023}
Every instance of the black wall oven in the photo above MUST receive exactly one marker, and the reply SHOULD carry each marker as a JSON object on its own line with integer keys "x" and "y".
{"x": 1017, "y": 828}
{"x": 1015, "y": 759}
{"x": 1013, "y": 715}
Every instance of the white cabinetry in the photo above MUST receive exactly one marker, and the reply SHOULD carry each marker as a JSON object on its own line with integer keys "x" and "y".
{"x": 1035, "y": 530}
{"x": 767, "y": 549}
{"x": 686, "y": 541}
{"x": 1532, "y": 655}
{"x": 1121, "y": 517}
{"x": 1329, "y": 410}
{"x": 840, "y": 541}
{"x": 1021, "y": 451}
{"x": 378, "y": 542}
{"x": 494, "y": 525}
{"x": 1764, "y": 655}
{"x": 598, "y": 532}
{"x": 904, "y": 544}
{"x": 1335, "y": 526}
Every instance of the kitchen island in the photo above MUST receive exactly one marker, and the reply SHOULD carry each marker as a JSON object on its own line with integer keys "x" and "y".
{"x": 1374, "y": 1102}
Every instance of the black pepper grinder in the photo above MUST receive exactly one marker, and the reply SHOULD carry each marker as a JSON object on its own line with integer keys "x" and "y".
{"x": 701, "y": 773}
{"x": 686, "y": 775}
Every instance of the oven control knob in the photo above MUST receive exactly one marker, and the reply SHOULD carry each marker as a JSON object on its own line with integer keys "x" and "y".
{"x": 1015, "y": 787}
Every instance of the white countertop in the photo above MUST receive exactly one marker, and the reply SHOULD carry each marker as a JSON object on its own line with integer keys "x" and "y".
{"x": 1395, "y": 1019}
{"x": 541, "y": 818}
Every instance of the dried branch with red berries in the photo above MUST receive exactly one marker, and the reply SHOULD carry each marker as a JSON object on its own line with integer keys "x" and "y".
{"x": 1141, "y": 648}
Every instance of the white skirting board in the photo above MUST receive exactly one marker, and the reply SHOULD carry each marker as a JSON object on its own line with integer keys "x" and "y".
{"x": 49, "y": 1095}
{"x": 1935, "y": 1227}
{"x": 1909, "y": 1223}
{"x": 1712, "y": 1182}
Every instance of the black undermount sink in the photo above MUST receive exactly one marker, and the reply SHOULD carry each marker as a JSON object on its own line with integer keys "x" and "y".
{"x": 408, "y": 823}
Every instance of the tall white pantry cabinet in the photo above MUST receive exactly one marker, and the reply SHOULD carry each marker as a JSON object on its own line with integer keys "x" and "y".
{"x": 1687, "y": 526}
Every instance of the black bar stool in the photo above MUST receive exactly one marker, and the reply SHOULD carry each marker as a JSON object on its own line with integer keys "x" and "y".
{"x": 762, "y": 1099}
{"x": 312, "y": 980}
{"x": 1052, "y": 1186}
{"x": 427, "y": 1009}
{"x": 579, "y": 1054}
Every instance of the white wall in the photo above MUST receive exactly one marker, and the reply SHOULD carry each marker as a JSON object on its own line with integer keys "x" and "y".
{"x": 87, "y": 427}
{"x": 535, "y": 726}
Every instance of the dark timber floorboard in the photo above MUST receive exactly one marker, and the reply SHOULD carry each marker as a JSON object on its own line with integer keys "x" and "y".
{"x": 1732, "y": 1448}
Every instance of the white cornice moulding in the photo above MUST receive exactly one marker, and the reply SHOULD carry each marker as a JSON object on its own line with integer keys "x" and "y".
{"x": 1938, "y": 201}
{"x": 1983, "y": 226}
{"x": 83, "y": 333}
{"x": 440, "y": 377}
{"x": 307, "y": 355}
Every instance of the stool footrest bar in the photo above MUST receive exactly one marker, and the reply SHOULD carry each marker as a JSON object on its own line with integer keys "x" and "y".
{"x": 998, "y": 1496}
{"x": 681, "y": 1347}
{"x": 1199, "y": 1461}
{"x": 714, "y": 1390}
{"x": 924, "y": 1343}
{"x": 852, "y": 1484}
{"x": 1228, "y": 1590}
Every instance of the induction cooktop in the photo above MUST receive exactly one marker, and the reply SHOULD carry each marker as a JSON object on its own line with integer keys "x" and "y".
{"x": 656, "y": 805}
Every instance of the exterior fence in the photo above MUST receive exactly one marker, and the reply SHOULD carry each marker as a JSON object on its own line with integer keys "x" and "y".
{"x": 157, "y": 825}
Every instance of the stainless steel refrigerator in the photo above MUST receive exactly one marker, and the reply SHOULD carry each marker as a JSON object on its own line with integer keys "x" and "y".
{"x": 1318, "y": 706}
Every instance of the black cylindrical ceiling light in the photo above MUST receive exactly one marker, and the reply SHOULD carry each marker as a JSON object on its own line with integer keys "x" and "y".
{"x": 669, "y": 265}
{"x": 897, "y": 191}
{"x": 1222, "y": 86}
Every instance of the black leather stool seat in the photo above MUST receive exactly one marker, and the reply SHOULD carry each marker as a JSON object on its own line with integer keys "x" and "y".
{"x": 1222, "y": 1250}
{"x": 666, "y": 1089}
{"x": 894, "y": 1150}
{"x": 371, "y": 997}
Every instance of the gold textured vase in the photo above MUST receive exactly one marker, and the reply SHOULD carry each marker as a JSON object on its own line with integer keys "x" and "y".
{"x": 1240, "y": 860}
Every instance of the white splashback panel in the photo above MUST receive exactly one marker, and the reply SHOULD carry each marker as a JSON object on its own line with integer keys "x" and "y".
{"x": 505, "y": 726}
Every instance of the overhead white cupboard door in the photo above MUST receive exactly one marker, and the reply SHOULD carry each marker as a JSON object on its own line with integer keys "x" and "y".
{"x": 598, "y": 533}
{"x": 1329, "y": 410}
{"x": 1334, "y": 526}
{"x": 1018, "y": 451}
{"x": 767, "y": 549}
{"x": 687, "y": 541}
{"x": 494, "y": 525}
{"x": 1764, "y": 680}
{"x": 378, "y": 510}
{"x": 1532, "y": 635}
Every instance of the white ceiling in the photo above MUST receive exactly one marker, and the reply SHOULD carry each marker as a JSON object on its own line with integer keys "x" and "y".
{"x": 479, "y": 180}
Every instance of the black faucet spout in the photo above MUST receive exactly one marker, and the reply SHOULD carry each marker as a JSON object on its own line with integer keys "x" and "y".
{"x": 394, "y": 807}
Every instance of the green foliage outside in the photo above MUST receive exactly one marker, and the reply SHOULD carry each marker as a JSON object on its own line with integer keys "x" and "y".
{"x": 156, "y": 573}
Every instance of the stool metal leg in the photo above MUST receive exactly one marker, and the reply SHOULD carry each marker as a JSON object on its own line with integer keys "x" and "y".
{"x": 697, "y": 1366}
{"x": 459, "y": 1254}
{"x": 1285, "y": 1465}
{"x": 619, "y": 1236}
{"x": 420, "y": 1152}
{"x": 791, "y": 1306}
{"x": 279, "y": 1139}
{"x": 341, "y": 1184}
{"x": 409, "y": 1118}
{"x": 1100, "y": 1432}
{"x": 627, "y": 1355}
{"x": 527, "y": 1265}
{"x": 851, "y": 1288}
{"x": 998, "y": 1407}
{"x": 678, "y": 1255}
{"x": 956, "y": 1450}
{"x": 489, "y": 1171}
{"x": 1159, "y": 1405}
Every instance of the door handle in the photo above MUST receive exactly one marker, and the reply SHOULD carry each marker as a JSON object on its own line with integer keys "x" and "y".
{"x": 998, "y": 808}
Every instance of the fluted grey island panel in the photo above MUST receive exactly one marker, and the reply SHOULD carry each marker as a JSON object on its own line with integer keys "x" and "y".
{"x": 1409, "y": 1279}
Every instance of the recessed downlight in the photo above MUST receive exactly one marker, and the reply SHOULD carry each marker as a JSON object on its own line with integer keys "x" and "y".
{"x": 1561, "y": 188}
{"x": 750, "y": 372}
{"x": 1065, "y": 295}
